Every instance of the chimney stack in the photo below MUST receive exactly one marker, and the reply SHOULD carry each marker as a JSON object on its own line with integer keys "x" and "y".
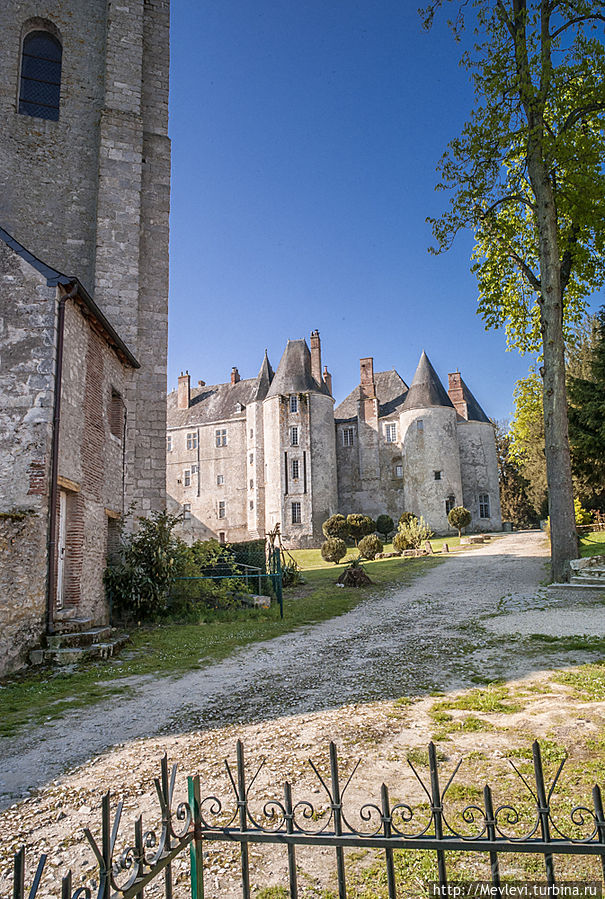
{"x": 366, "y": 377}
{"x": 184, "y": 391}
{"x": 234, "y": 375}
{"x": 328, "y": 379}
{"x": 316, "y": 356}
{"x": 456, "y": 393}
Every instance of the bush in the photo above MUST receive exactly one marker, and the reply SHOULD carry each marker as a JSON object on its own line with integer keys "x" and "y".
{"x": 359, "y": 525}
{"x": 406, "y": 517}
{"x": 370, "y": 546}
{"x": 384, "y": 525}
{"x": 335, "y": 526}
{"x": 412, "y": 534}
{"x": 459, "y": 518}
{"x": 333, "y": 550}
{"x": 583, "y": 516}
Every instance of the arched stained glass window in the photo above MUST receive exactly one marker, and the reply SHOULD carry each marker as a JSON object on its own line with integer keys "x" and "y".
{"x": 40, "y": 75}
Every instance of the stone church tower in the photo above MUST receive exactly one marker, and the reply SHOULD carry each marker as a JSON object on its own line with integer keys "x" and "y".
{"x": 85, "y": 180}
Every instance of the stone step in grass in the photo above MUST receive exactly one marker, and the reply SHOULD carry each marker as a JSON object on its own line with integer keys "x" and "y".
{"x": 80, "y": 639}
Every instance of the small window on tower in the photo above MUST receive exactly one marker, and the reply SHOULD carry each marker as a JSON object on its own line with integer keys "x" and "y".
{"x": 186, "y": 511}
{"x": 348, "y": 436}
{"x": 40, "y": 89}
{"x": 449, "y": 504}
{"x": 295, "y": 469}
{"x": 399, "y": 471}
{"x": 221, "y": 509}
{"x": 192, "y": 440}
{"x": 293, "y": 403}
{"x": 484, "y": 510}
{"x": 220, "y": 480}
{"x": 420, "y": 425}
{"x": 294, "y": 436}
{"x": 390, "y": 432}
{"x": 437, "y": 475}
{"x": 296, "y": 513}
{"x": 187, "y": 477}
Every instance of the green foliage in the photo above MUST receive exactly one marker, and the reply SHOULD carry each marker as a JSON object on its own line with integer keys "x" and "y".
{"x": 527, "y": 445}
{"x": 145, "y": 567}
{"x": 406, "y": 517}
{"x": 335, "y": 526}
{"x": 459, "y": 518}
{"x": 514, "y": 500}
{"x": 359, "y": 525}
{"x": 583, "y": 516}
{"x": 412, "y": 533}
{"x": 370, "y": 546}
{"x": 587, "y": 419}
{"x": 333, "y": 550}
{"x": 291, "y": 574}
{"x": 384, "y": 525}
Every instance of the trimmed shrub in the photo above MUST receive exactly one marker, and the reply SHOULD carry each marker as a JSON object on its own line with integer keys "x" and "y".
{"x": 459, "y": 518}
{"x": 333, "y": 550}
{"x": 335, "y": 526}
{"x": 359, "y": 525}
{"x": 412, "y": 534}
{"x": 370, "y": 546}
{"x": 384, "y": 525}
{"x": 406, "y": 517}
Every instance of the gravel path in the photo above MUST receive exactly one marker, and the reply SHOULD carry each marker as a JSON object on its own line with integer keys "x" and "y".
{"x": 409, "y": 640}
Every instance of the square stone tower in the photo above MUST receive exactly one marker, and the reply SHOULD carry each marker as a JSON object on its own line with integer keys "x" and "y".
{"x": 85, "y": 180}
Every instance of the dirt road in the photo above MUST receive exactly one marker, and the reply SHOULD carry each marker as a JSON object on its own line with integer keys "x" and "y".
{"x": 402, "y": 641}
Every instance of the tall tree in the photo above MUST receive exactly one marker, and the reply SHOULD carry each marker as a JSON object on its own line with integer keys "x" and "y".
{"x": 587, "y": 418}
{"x": 527, "y": 175}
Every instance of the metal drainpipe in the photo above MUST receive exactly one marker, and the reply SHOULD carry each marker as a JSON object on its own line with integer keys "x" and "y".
{"x": 54, "y": 466}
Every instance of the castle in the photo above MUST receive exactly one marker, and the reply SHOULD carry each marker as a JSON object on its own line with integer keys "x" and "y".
{"x": 245, "y": 455}
{"x": 84, "y": 204}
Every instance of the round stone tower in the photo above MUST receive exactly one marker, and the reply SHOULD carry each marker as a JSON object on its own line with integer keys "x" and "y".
{"x": 431, "y": 460}
{"x": 300, "y": 446}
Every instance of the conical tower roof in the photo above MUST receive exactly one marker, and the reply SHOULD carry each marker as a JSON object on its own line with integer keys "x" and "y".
{"x": 293, "y": 373}
{"x": 264, "y": 379}
{"x": 426, "y": 390}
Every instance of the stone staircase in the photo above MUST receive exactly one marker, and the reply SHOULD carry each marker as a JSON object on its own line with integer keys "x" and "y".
{"x": 77, "y": 639}
{"x": 587, "y": 577}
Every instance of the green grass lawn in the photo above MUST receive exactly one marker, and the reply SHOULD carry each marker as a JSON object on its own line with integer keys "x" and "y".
{"x": 165, "y": 650}
{"x": 593, "y": 544}
{"x": 308, "y": 559}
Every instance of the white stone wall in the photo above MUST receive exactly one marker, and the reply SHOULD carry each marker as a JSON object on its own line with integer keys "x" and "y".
{"x": 256, "y": 471}
{"x": 432, "y": 448}
{"x": 321, "y": 478}
{"x": 479, "y": 467}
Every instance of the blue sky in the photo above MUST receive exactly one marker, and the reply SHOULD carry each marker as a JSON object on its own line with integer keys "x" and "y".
{"x": 305, "y": 138}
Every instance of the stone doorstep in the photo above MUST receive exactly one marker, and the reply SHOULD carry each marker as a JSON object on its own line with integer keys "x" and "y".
{"x": 71, "y": 654}
{"x": 78, "y": 638}
{"x": 74, "y": 624}
{"x": 593, "y": 578}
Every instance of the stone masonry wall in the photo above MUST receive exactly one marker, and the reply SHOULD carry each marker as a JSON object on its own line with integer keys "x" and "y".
{"x": 27, "y": 336}
{"x": 48, "y": 170}
{"x": 91, "y": 458}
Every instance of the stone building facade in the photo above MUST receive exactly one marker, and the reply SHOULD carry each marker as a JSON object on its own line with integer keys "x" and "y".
{"x": 245, "y": 455}
{"x": 84, "y": 190}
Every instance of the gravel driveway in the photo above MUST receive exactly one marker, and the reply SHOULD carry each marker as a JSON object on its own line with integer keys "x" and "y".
{"x": 403, "y": 640}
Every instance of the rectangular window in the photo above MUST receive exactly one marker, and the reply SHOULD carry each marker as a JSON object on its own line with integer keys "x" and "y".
{"x": 293, "y": 404}
{"x": 296, "y": 513}
{"x": 449, "y": 504}
{"x": 194, "y": 469}
{"x": 251, "y": 483}
{"x": 399, "y": 471}
{"x": 169, "y": 444}
{"x": 484, "y": 511}
{"x": 437, "y": 475}
{"x": 220, "y": 480}
{"x": 192, "y": 440}
{"x": 220, "y": 437}
{"x": 295, "y": 469}
{"x": 348, "y": 436}
{"x": 251, "y": 458}
{"x": 420, "y": 425}
{"x": 390, "y": 432}
{"x": 251, "y": 504}
{"x": 251, "y": 433}
{"x": 187, "y": 478}
{"x": 116, "y": 414}
{"x": 294, "y": 436}
{"x": 221, "y": 536}
{"x": 186, "y": 511}
{"x": 221, "y": 509}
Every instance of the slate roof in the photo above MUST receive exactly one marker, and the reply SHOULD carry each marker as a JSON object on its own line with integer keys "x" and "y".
{"x": 293, "y": 373}
{"x": 219, "y": 402}
{"x": 426, "y": 390}
{"x": 474, "y": 412}
{"x": 391, "y": 391}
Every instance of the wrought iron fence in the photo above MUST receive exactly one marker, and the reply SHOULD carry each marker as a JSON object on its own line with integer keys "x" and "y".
{"x": 379, "y": 825}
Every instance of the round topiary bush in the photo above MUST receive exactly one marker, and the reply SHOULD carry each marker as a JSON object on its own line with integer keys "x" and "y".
{"x": 359, "y": 526}
{"x": 401, "y": 541}
{"x": 384, "y": 525}
{"x": 333, "y": 550}
{"x": 459, "y": 518}
{"x": 335, "y": 526}
{"x": 370, "y": 546}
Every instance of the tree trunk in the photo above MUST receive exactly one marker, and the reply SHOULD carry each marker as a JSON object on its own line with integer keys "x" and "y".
{"x": 563, "y": 536}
